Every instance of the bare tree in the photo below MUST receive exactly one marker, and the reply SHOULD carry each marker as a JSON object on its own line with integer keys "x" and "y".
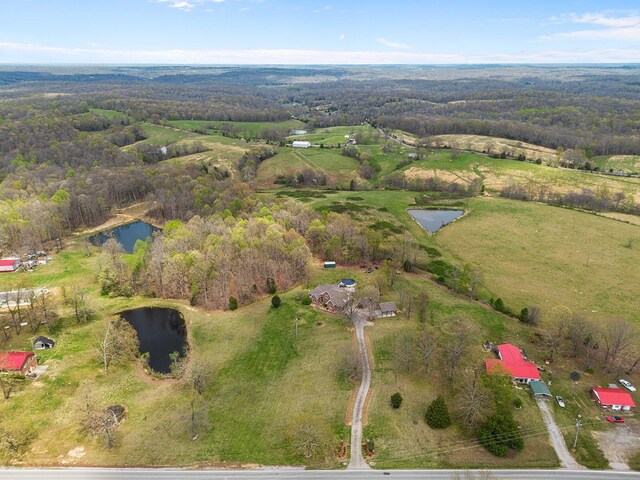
{"x": 455, "y": 346}
{"x": 426, "y": 345}
{"x": 579, "y": 331}
{"x": 618, "y": 336}
{"x": 555, "y": 327}
{"x": 474, "y": 400}
{"x": 423, "y": 306}
{"x": 97, "y": 422}
{"x": 9, "y": 384}
{"x": 198, "y": 379}
{"x": 404, "y": 352}
{"x": 310, "y": 436}
{"x": 117, "y": 341}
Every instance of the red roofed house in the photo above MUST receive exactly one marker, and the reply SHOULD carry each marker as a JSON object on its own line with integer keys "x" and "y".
{"x": 17, "y": 362}
{"x": 10, "y": 264}
{"x": 614, "y": 398}
{"x": 513, "y": 364}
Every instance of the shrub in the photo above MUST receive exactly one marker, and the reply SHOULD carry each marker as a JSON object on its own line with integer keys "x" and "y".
{"x": 396, "y": 400}
{"x": 437, "y": 415}
{"x": 517, "y": 402}
{"x": 407, "y": 266}
{"x": 306, "y": 301}
{"x": 271, "y": 286}
{"x": 233, "y": 303}
{"x": 500, "y": 433}
{"x": 275, "y": 301}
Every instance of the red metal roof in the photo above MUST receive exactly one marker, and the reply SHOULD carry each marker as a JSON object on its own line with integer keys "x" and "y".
{"x": 520, "y": 369}
{"x": 8, "y": 262}
{"x": 614, "y": 396}
{"x": 13, "y": 360}
{"x": 510, "y": 353}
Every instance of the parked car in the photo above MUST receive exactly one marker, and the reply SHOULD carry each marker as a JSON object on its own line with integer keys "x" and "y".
{"x": 615, "y": 419}
{"x": 560, "y": 401}
{"x": 626, "y": 384}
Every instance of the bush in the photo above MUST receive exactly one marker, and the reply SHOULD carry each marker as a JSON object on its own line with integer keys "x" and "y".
{"x": 233, "y": 303}
{"x": 275, "y": 301}
{"x": 271, "y": 286}
{"x": 306, "y": 301}
{"x": 396, "y": 400}
{"x": 437, "y": 415}
{"x": 407, "y": 266}
{"x": 499, "y": 434}
{"x": 517, "y": 402}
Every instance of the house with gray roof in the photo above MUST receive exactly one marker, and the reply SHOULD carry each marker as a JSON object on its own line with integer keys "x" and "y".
{"x": 330, "y": 297}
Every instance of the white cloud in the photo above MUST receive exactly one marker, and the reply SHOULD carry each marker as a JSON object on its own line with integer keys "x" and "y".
{"x": 31, "y": 53}
{"x": 326, "y": 8}
{"x": 612, "y": 27}
{"x": 391, "y": 44}
{"x": 185, "y": 5}
{"x": 342, "y": 36}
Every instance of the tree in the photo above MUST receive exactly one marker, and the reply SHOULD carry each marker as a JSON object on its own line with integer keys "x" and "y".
{"x": 117, "y": 341}
{"x": 579, "y": 331}
{"x": 619, "y": 336}
{"x": 99, "y": 422}
{"x": 396, "y": 400}
{"x": 530, "y": 315}
{"x": 233, "y": 303}
{"x": 310, "y": 437}
{"x": 554, "y": 328}
{"x": 9, "y": 384}
{"x": 404, "y": 352}
{"x": 198, "y": 380}
{"x": 474, "y": 400}
{"x": 426, "y": 346}
{"x": 271, "y": 286}
{"x": 500, "y": 433}
{"x": 275, "y": 301}
{"x": 437, "y": 415}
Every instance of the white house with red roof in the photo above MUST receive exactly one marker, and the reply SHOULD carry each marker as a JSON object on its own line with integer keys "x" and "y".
{"x": 10, "y": 264}
{"x": 512, "y": 362}
{"x": 614, "y": 399}
{"x": 17, "y": 362}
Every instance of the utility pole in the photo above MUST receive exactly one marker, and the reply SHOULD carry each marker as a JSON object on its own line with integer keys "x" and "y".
{"x": 578, "y": 425}
{"x": 297, "y": 320}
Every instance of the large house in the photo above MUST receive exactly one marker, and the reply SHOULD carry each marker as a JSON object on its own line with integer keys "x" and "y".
{"x": 331, "y": 297}
{"x": 19, "y": 363}
{"x": 10, "y": 264}
{"x": 613, "y": 398}
{"x": 512, "y": 363}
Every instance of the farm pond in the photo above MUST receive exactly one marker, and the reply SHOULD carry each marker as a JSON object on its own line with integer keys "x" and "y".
{"x": 161, "y": 331}
{"x": 126, "y": 235}
{"x": 434, "y": 220}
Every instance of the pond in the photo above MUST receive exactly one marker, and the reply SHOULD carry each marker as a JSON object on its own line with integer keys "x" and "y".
{"x": 434, "y": 220}
{"x": 161, "y": 331}
{"x": 126, "y": 235}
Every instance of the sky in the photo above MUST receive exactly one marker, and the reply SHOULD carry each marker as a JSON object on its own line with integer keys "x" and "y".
{"x": 319, "y": 32}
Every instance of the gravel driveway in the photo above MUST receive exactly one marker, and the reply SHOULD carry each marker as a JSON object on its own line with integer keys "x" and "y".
{"x": 557, "y": 441}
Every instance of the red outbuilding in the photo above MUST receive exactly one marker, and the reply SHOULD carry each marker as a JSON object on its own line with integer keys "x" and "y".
{"x": 17, "y": 362}
{"x": 615, "y": 399}
{"x": 10, "y": 264}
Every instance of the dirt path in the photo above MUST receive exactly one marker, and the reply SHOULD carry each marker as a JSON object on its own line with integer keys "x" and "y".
{"x": 357, "y": 460}
{"x": 557, "y": 440}
{"x": 619, "y": 443}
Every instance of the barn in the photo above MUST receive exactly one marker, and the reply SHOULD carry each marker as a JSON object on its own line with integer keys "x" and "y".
{"x": 615, "y": 399}
{"x": 301, "y": 144}
{"x": 10, "y": 264}
{"x": 19, "y": 363}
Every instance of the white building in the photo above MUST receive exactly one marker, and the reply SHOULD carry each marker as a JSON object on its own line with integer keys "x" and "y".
{"x": 10, "y": 264}
{"x": 301, "y": 144}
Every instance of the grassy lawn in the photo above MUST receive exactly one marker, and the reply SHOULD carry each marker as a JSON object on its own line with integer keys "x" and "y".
{"x": 264, "y": 379}
{"x": 533, "y": 254}
{"x": 338, "y": 169}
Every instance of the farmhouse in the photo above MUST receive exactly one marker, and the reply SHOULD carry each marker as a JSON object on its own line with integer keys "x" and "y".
{"x": 330, "y": 297}
{"x": 10, "y": 264}
{"x": 301, "y": 144}
{"x": 513, "y": 364}
{"x": 613, "y": 398}
{"x": 388, "y": 309}
{"x": 17, "y": 362}
{"x": 43, "y": 343}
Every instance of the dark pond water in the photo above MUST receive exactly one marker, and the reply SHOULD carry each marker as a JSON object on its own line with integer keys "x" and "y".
{"x": 161, "y": 331}
{"x": 127, "y": 235}
{"x": 434, "y": 220}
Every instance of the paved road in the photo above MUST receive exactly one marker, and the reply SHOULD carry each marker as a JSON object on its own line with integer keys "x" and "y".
{"x": 557, "y": 440}
{"x": 357, "y": 461}
{"x": 292, "y": 474}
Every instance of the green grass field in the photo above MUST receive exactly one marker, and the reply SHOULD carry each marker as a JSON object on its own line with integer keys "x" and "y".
{"x": 625, "y": 163}
{"x": 245, "y": 129}
{"x": 533, "y": 254}
{"x": 332, "y": 136}
{"x": 338, "y": 168}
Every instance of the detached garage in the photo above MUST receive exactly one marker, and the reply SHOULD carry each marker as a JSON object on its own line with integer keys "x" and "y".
{"x": 614, "y": 399}
{"x": 10, "y": 264}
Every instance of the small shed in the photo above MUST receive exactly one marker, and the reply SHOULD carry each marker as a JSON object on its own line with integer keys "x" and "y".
{"x": 43, "y": 343}
{"x": 539, "y": 389}
{"x": 329, "y": 265}
{"x": 301, "y": 144}
{"x": 10, "y": 264}
{"x": 388, "y": 309}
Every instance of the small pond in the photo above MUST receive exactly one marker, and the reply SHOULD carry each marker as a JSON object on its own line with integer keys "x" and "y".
{"x": 126, "y": 235}
{"x": 161, "y": 331}
{"x": 434, "y": 220}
